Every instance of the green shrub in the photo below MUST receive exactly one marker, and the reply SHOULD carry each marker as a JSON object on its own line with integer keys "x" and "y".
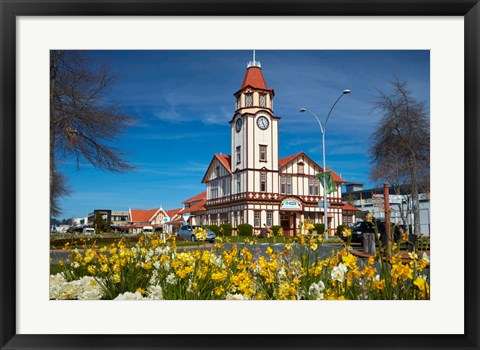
{"x": 214, "y": 228}
{"x": 277, "y": 230}
{"x": 320, "y": 228}
{"x": 226, "y": 229}
{"x": 340, "y": 229}
{"x": 245, "y": 230}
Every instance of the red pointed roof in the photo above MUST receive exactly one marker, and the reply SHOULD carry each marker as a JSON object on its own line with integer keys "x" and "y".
{"x": 284, "y": 161}
{"x": 197, "y": 197}
{"x": 336, "y": 177}
{"x": 254, "y": 79}
{"x": 350, "y": 207}
{"x": 225, "y": 160}
{"x": 171, "y": 213}
{"x": 140, "y": 215}
{"x": 200, "y": 206}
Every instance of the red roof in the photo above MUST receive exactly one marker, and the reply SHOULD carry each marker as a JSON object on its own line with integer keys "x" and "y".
{"x": 350, "y": 207}
{"x": 284, "y": 161}
{"x": 171, "y": 213}
{"x": 225, "y": 160}
{"x": 197, "y": 197}
{"x": 200, "y": 206}
{"x": 140, "y": 215}
{"x": 336, "y": 177}
{"x": 254, "y": 78}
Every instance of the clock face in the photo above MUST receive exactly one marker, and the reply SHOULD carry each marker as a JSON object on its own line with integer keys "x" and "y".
{"x": 238, "y": 125}
{"x": 262, "y": 123}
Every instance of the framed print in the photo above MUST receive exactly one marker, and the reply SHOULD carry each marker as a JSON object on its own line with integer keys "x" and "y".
{"x": 435, "y": 44}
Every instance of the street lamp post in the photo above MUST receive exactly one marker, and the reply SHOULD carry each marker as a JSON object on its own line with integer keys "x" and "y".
{"x": 323, "y": 129}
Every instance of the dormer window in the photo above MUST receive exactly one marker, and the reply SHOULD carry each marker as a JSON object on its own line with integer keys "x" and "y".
{"x": 263, "y": 100}
{"x": 248, "y": 100}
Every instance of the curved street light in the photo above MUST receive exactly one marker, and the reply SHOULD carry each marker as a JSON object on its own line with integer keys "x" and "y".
{"x": 323, "y": 129}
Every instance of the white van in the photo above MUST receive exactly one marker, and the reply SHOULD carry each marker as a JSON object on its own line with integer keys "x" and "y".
{"x": 88, "y": 231}
{"x": 148, "y": 230}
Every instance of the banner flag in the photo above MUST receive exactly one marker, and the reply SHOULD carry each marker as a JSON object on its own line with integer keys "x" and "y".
{"x": 330, "y": 184}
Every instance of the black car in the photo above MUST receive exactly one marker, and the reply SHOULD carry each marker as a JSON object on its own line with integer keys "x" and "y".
{"x": 358, "y": 230}
{"x": 362, "y": 227}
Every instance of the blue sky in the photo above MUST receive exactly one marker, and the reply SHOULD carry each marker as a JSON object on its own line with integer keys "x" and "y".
{"x": 183, "y": 100}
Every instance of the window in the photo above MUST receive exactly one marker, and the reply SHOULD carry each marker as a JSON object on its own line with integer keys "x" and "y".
{"x": 238, "y": 102}
{"x": 257, "y": 219}
{"x": 283, "y": 183}
{"x": 263, "y": 182}
{"x": 289, "y": 185}
{"x": 223, "y": 218}
{"x": 224, "y": 187}
{"x": 317, "y": 186}
{"x": 263, "y": 153}
{"x": 269, "y": 218}
{"x": 263, "y": 100}
{"x": 300, "y": 168}
{"x": 217, "y": 171}
{"x": 239, "y": 183}
{"x": 310, "y": 186}
{"x": 248, "y": 100}
{"x": 214, "y": 189}
{"x": 238, "y": 155}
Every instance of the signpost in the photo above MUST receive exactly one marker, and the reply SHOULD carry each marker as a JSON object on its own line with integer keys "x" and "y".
{"x": 185, "y": 217}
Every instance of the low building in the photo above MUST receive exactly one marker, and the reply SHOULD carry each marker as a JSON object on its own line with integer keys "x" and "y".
{"x": 140, "y": 218}
{"x": 174, "y": 220}
{"x": 371, "y": 200}
{"x": 120, "y": 218}
{"x": 194, "y": 211}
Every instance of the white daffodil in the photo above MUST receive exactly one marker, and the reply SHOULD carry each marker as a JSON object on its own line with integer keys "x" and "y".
{"x": 338, "y": 273}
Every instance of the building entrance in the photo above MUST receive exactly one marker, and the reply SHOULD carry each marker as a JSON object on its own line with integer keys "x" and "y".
{"x": 287, "y": 221}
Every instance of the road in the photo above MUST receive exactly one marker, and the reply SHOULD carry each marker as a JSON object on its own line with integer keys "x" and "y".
{"x": 257, "y": 249}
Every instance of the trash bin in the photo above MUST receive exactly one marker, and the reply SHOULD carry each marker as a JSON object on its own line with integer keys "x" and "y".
{"x": 412, "y": 240}
{"x": 369, "y": 243}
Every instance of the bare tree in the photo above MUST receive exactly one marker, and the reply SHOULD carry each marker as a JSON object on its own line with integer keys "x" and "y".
{"x": 83, "y": 121}
{"x": 400, "y": 149}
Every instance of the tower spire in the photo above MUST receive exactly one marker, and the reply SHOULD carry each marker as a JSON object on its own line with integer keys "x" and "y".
{"x": 254, "y": 63}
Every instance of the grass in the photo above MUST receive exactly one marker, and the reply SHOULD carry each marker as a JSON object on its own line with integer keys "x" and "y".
{"x": 54, "y": 269}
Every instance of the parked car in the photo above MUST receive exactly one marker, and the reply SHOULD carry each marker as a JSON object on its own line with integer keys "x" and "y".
{"x": 358, "y": 229}
{"x": 362, "y": 227}
{"x": 187, "y": 232}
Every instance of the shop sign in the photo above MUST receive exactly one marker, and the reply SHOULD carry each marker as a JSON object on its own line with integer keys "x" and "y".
{"x": 291, "y": 204}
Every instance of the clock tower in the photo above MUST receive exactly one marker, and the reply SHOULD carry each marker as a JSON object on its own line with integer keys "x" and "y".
{"x": 254, "y": 135}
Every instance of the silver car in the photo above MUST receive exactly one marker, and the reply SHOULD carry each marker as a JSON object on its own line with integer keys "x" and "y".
{"x": 186, "y": 232}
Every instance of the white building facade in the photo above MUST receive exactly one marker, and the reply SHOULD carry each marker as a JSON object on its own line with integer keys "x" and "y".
{"x": 254, "y": 186}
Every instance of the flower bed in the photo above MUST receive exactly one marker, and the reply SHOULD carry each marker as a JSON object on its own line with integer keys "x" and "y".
{"x": 152, "y": 269}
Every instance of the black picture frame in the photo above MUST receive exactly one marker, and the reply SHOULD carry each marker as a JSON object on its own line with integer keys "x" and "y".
{"x": 9, "y": 339}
